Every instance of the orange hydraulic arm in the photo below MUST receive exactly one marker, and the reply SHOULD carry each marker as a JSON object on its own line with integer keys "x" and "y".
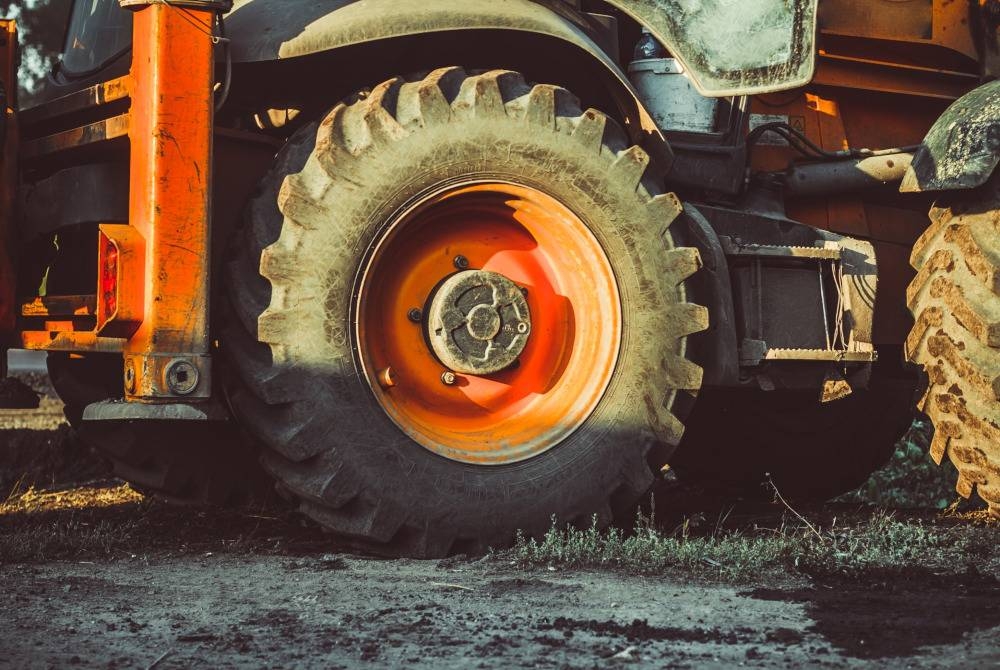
{"x": 171, "y": 142}
{"x": 153, "y": 273}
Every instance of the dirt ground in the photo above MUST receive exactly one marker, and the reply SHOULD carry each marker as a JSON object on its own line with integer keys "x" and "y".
{"x": 96, "y": 575}
{"x": 221, "y": 611}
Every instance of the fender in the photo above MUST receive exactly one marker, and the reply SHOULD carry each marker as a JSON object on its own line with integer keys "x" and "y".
{"x": 734, "y": 47}
{"x": 962, "y": 148}
{"x": 729, "y": 47}
{"x": 268, "y": 30}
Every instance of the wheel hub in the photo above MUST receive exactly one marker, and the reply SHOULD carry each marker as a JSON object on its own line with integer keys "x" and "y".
{"x": 478, "y": 322}
{"x": 445, "y": 336}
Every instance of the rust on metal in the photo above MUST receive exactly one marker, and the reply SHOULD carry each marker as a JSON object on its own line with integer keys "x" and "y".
{"x": 56, "y": 340}
{"x": 60, "y": 305}
{"x": 97, "y": 95}
{"x": 92, "y": 133}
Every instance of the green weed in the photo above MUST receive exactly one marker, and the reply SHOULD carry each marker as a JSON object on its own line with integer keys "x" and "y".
{"x": 877, "y": 544}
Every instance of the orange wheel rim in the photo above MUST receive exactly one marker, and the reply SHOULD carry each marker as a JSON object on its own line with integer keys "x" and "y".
{"x": 567, "y": 361}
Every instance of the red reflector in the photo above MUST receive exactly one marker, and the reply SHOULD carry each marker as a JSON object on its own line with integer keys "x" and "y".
{"x": 109, "y": 278}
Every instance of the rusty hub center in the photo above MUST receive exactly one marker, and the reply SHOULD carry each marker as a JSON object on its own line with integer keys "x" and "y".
{"x": 478, "y": 322}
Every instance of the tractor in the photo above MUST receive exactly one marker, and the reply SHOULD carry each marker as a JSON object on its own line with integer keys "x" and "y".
{"x": 441, "y": 272}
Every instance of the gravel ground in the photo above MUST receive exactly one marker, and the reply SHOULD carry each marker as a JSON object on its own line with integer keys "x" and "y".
{"x": 99, "y": 577}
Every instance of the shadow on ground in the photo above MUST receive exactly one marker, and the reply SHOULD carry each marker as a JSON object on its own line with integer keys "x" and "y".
{"x": 895, "y": 615}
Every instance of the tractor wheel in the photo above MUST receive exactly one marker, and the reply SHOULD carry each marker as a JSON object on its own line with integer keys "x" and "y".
{"x": 202, "y": 463}
{"x": 461, "y": 314}
{"x": 741, "y": 441}
{"x": 955, "y": 300}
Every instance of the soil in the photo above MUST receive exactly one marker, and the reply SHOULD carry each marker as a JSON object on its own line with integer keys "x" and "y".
{"x": 332, "y": 610}
{"x": 95, "y": 575}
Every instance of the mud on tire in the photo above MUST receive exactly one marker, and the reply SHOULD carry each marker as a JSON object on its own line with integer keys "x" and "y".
{"x": 955, "y": 300}
{"x": 293, "y": 277}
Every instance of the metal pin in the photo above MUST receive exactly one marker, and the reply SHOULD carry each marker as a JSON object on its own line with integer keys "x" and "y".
{"x": 387, "y": 378}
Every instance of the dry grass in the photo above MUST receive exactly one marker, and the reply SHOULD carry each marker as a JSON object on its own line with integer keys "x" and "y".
{"x": 83, "y": 497}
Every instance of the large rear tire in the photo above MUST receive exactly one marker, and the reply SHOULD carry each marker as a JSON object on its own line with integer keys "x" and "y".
{"x": 955, "y": 300}
{"x": 362, "y": 225}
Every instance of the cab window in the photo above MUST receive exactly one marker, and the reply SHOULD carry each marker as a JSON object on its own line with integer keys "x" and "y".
{"x": 98, "y": 31}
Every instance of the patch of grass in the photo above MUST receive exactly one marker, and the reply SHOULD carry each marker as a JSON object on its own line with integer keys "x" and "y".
{"x": 67, "y": 538}
{"x": 880, "y": 543}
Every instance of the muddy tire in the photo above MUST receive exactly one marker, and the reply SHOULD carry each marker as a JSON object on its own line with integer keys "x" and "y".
{"x": 740, "y": 441}
{"x": 955, "y": 300}
{"x": 300, "y": 337}
{"x": 190, "y": 462}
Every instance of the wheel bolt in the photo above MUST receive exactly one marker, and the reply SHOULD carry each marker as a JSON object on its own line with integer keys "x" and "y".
{"x": 461, "y": 262}
{"x": 387, "y": 378}
{"x": 415, "y": 315}
{"x": 182, "y": 377}
{"x": 448, "y": 378}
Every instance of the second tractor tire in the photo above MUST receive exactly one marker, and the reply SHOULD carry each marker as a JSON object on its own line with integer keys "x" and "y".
{"x": 955, "y": 300}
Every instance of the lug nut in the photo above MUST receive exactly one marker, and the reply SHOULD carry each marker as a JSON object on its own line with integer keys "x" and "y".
{"x": 448, "y": 378}
{"x": 461, "y": 262}
{"x": 415, "y": 315}
{"x": 387, "y": 378}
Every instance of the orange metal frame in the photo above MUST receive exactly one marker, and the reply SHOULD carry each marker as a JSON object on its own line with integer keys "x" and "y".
{"x": 152, "y": 301}
{"x": 171, "y": 140}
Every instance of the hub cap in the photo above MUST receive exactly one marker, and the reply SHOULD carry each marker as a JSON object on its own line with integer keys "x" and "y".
{"x": 501, "y": 357}
{"x": 478, "y": 322}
